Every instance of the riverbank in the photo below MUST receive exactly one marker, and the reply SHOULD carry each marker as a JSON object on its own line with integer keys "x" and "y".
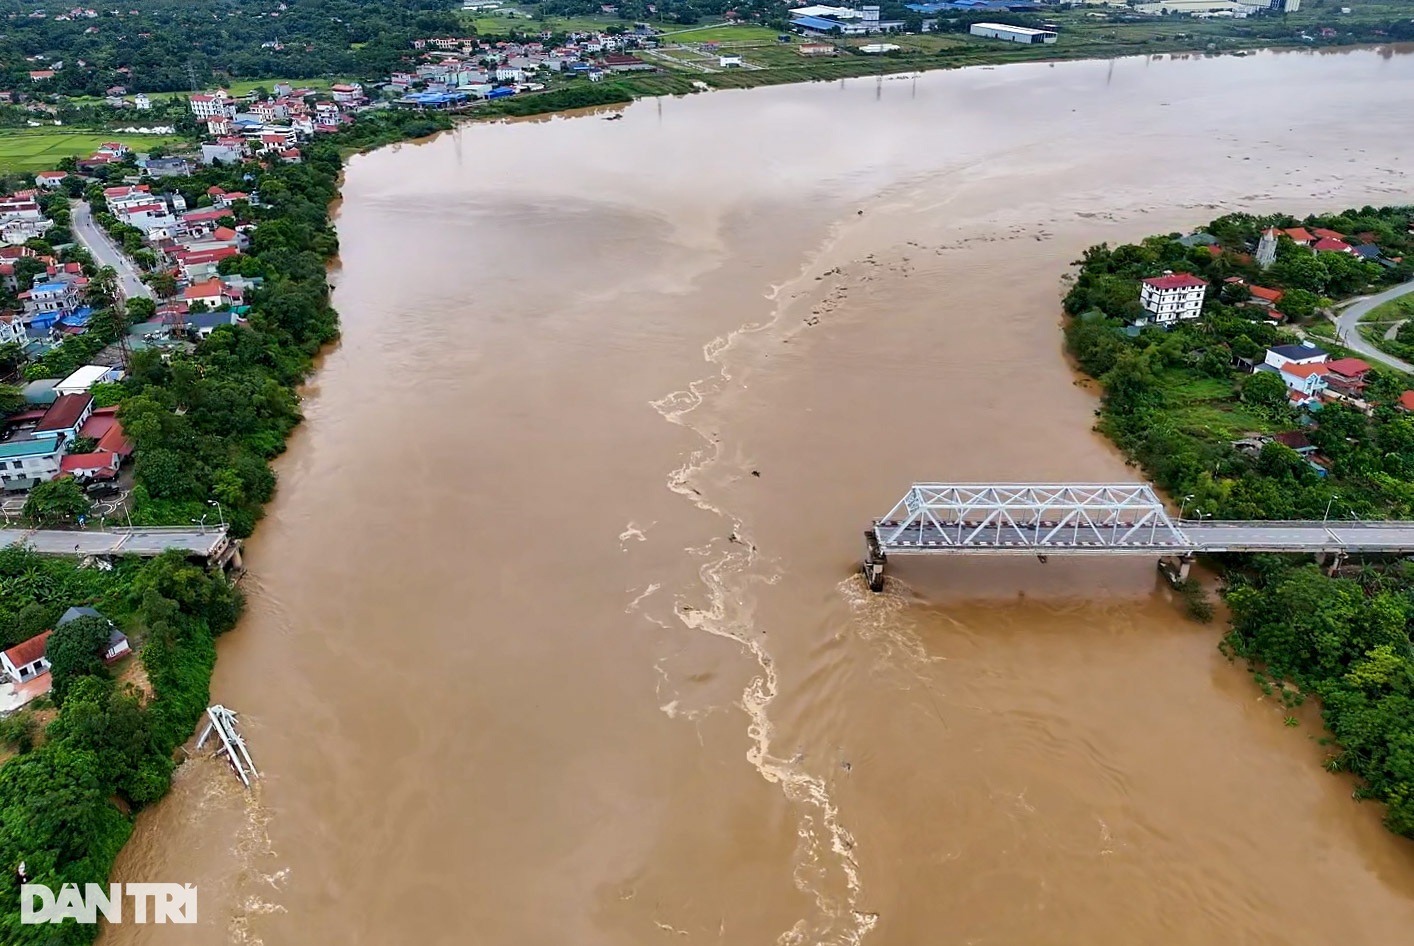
{"x": 598, "y": 650}
{"x": 205, "y": 423}
{"x": 1306, "y": 437}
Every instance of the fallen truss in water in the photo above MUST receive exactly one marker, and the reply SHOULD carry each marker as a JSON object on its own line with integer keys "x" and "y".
{"x": 223, "y": 722}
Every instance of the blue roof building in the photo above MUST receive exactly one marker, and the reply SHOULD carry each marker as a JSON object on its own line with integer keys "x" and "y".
{"x": 816, "y": 24}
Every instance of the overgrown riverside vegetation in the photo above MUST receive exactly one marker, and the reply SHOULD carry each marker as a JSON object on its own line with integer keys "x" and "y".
{"x": 1175, "y": 403}
{"x": 205, "y": 425}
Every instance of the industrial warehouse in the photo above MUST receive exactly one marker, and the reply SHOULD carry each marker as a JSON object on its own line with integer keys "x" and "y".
{"x": 1012, "y": 34}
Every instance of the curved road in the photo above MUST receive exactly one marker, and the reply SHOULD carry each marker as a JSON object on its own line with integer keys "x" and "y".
{"x": 1349, "y": 333}
{"x": 91, "y": 235}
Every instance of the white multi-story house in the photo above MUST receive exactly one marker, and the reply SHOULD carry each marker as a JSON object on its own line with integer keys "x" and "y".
{"x": 1172, "y": 297}
{"x": 12, "y": 329}
{"x": 141, "y": 102}
{"x": 212, "y": 105}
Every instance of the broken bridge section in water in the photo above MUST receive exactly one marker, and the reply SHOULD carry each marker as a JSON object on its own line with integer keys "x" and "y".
{"x": 1095, "y": 519}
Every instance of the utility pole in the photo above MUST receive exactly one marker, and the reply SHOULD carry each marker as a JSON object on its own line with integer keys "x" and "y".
{"x": 191, "y": 77}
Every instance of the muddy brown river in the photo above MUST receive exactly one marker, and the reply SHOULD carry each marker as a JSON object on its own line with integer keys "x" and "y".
{"x": 555, "y": 632}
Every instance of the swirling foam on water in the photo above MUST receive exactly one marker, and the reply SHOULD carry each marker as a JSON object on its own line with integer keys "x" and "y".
{"x": 729, "y": 569}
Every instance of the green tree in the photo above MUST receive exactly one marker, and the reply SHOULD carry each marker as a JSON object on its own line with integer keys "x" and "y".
{"x": 76, "y": 650}
{"x": 59, "y": 500}
{"x": 1265, "y": 389}
{"x": 1299, "y": 303}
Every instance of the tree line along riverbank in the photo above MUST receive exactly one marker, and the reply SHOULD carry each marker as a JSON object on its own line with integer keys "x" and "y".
{"x": 1227, "y": 443}
{"x": 82, "y": 762}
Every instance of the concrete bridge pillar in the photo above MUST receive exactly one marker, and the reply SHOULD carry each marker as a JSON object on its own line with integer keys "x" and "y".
{"x": 1185, "y": 564}
{"x": 874, "y": 562}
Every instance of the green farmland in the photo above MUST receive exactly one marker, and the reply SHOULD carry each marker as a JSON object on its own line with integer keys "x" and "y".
{"x": 39, "y": 149}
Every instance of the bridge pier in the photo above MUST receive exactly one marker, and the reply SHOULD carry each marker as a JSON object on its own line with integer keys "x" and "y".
{"x": 1337, "y": 559}
{"x": 1176, "y": 569}
{"x": 874, "y": 561}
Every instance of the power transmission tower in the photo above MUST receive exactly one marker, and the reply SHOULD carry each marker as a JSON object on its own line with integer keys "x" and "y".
{"x": 191, "y": 77}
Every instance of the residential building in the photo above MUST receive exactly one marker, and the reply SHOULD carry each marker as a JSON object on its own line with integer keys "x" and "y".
{"x": 1308, "y": 380}
{"x": 165, "y": 167}
{"x": 1328, "y": 245}
{"x": 1172, "y": 296}
{"x": 104, "y": 427}
{"x": 1300, "y": 236}
{"x": 12, "y": 329}
{"x": 815, "y": 49}
{"x": 211, "y": 105}
{"x": 347, "y": 94}
{"x": 728, "y": 62}
{"x": 65, "y": 416}
{"x": 211, "y": 293}
{"x": 223, "y": 151}
{"x": 141, "y": 102}
{"x": 1306, "y": 353}
{"x": 86, "y": 377}
{"x": 56, "y": 298}
{"x": 1348, "y": 376}
{"x": 26, "y": 660}
{"x": 117, "y": 640}
{"x": 27, "y": 458}
{"x": 1406, "y": 402}
{"x": 204, "y": 323}
{"x": 1261, "y": 295}
{"x": 50, "y": 180}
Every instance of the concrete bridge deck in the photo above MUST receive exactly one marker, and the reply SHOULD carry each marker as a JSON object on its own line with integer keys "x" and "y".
{"x": 146, "y": 542}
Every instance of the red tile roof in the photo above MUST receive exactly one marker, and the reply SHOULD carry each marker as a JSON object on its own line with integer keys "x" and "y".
{"x": 1271, "y": 295}
{"x": 27, "y": 652}
{"x": 65, "y": 411}
{"x": 1406, "y": 400}
{"x": 1176, "y": 281}
{"x": 1299, "y": 234}
{"x": 88, "y": 462}
{"x": 1331, "y": 246}
{"x": 1325, "y": 234}
{"x": 203, "y": 290}
{"x": 1348, "y": 367}
{"x": 1304, "y": 371}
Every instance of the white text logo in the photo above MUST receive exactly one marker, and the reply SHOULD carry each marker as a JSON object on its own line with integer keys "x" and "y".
{"x": 152, "y": 903}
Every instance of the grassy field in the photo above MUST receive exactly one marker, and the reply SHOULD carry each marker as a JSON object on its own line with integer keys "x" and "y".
{"x": 1394, "y": 310}
{"x": 39, "y": 149}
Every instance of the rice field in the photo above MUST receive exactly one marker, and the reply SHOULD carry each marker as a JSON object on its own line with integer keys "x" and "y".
{"x": 39, "y": 149}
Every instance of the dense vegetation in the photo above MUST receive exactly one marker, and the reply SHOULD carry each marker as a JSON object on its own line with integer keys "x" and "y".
{"x": 205, "y": 425}
{"x": 1173, "y": 401}
{"x": 65, "y": 798}
{"x": 170, "y": 41}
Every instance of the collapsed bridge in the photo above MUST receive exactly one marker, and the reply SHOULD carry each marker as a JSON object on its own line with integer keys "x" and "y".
{"x": 1094, "y": 519}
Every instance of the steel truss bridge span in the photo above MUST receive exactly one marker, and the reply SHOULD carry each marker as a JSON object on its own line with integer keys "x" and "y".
{"x": 1093, "y": 519}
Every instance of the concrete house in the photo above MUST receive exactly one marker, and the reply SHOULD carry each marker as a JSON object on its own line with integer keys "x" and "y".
{"x": 1306, "y": 353}
{"x": 1172, "y": 296}
{"x": 26, "y": 660}
{"x": 117, "y": 640}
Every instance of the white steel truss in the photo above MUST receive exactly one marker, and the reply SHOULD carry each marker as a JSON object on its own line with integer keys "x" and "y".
{"x": 1029, "y": 518}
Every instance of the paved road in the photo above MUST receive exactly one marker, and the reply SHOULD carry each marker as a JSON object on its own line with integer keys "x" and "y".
{"x": 104, "y": 252}
{"x": 145, "y": 542}
{"x": 1346, "y": 327}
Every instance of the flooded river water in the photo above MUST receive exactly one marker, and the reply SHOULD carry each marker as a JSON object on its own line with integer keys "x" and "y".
{"x": 555, "y": 633}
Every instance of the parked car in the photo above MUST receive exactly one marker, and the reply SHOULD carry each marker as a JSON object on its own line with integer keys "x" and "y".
{"x": 102, "y": 489}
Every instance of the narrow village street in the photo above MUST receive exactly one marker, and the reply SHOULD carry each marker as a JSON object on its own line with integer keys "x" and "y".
{"x": 105, "y": 253}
